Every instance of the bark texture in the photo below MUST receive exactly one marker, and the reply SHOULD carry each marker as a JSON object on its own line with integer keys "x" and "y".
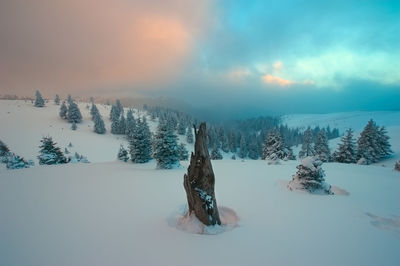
{"x": 199, "y": 181}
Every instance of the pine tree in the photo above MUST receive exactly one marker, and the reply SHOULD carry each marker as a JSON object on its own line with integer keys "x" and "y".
{"x": 74, "y": 114}
{"x": 165, "y": 146}
{"x": 181, "y": 128}
{"x": 253, "y": 149}
{"x": 383, "y": 143}
{"x": 273, "y": 148}
{"x": 123, "y": 154}
{"x": 243, "y": 147}
{"x": 307, "y": 148}
{"x": 183, "y": 152}
{"x": 99, "y": 127}
{"x": 69, "y": 99}
{"x": 74, "y": 126}
{"x": 216, "y": 153}
{"x": 122, "y": 125}
{"x": 139, "y": 142}
{"x": 367, "y": 144}
{"x": 115, "y": 125}
{"x": 49, "y": 153}
{"x": 57, "y": 100}
{"x": 310, "y": 177}
{"x": 16, "y": 162}
{"x": 63, "y": 111}
{"x": 94, "y": 111}
{"x": 189, "y": 135}
{"x": 39, "y": 102}
{"x": 4, "y": 150}
{"x": 224, "y": 143}
{"x": 130, "y": 123}
{"x": 321, "y": 147}
{"x": 346, "y": 152}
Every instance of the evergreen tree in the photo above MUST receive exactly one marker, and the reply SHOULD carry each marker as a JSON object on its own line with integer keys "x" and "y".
{"x": 321, "y": 147}
{"x": 69, "y": 99}
{"x": 115, "y": 125}
{"x": 183, "y": 152}
{"x": 94, "y": 111}
{"x": 39, "y": 102}
{"x": 310, "y": 177}
{"x": 122, "y": 125}
{"x": 232, "y": 142}
{"x": 130, "y": 123}
{"x": 383, "y": 143}
{"x": 123, "y": 154}
{"x": 216, "y": 153}
{"x": 243, "y": 147}
{"x": 189, "y": 135}
{"x": 63, "y": 111}
{"x": 4, "y": 150}
{"x": 74, "y": 114}
{"x": 99, "y": 127}
{"x": 367, "y": 145}
{"x": 253, "y": 148}
{"x": 16, "y": 162}
{"x": 74, "y": 126}
{"x": 165, "y": 147}
{"x": 307, "y": 148}
{"x": 57, "y": 99}
{"x": 49, "y": 153}
{"x": 225, "y": 143}
{"x": 139, "y": 142}
{"x": 346, "y": 152}
{"x": 181, "y": 128}
{"x": 274, "y": 148}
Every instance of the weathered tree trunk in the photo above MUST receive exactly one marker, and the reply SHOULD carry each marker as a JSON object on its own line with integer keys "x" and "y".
{"x": 199, "y": 182}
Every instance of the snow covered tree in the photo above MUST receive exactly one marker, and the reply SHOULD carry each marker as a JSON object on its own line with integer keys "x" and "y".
{"x": 69, "y": 99}
{"x": 39, "y": 102}
{"x": 189, "y": 135}
{"x": 243, "y": 147}
{"x": 321, "y": 146}
{"x": 130, "y": 123}
{"x": 78, "y": 158}
{"x": 225, "y": 143}
{"x": 74, "y": 114}
{"x": 122, "y": 125}
{"x": 310, "y": 177}
{"x": 94, "y": 111}
{"x": 253, "y": 148}
{"x": 165, "y": 146}
{"x": 4, "y": 150}
{"x": 139, "y": 142}
{"x": 74, "y": 126}
{"x": 16, "y": 162}
{"x": 57, "y": 99}
{"x": 183, "y": 152}
{"x": 99, "y": 127}
{"x": 307, "y": 148}
{"x": 123, "y": 154}
{"x": 275, "y": 149}
{"x": 216, "y": 153}
{"x": 49, "y": 153}
{"x": 346, "y": 152}
{"x": 383, "y": 143}
{"x": 63, "y": 110}
{"x": 115, "y": 125}
{"x": 368, "y": 150}
{"x": 181, "y": 128}
{"x": 397, "y": 166}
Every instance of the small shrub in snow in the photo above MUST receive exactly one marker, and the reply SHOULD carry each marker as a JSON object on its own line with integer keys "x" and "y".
{"x": 74, "y": 126}
{"x": 39, "y": 102}
{"x": 78, "y": 158}
{"x": 49, "y": 153}
{"x": 310, "y": 177}
{"x": 123, "y": 154}
{"x": 57, "y": 100}
{"x": 397, "y": 166}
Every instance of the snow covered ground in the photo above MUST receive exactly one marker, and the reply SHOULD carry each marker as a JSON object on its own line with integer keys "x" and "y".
{"x": 114, "y": 213}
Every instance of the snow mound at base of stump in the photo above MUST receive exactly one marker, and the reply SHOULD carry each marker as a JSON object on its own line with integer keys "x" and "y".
{"x": 189, "y": 223}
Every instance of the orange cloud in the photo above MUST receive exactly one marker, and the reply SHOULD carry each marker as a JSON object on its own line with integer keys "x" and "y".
{"x": 274, "y": 80}
{"x": 278, "y": 65}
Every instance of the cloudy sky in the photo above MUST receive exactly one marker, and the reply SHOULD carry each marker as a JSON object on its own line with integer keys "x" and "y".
{"x": 236, "y": 57}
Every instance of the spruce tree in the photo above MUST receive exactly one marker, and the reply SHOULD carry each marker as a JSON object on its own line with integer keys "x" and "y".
{"x": 94, "y": 111}
{"x": 74, "y": 126}
{"x": 189, "y": 135}
{"x": 165, "y": 146}
{"x": 130, "y": 123}
{"x": 4, "y": 150}
{"x": 183, "y": 152}
{"x": 57, "y": 100}
{"x": 139, "y": 142}
{"x": 39, "y": 102}
{"x": 99, "y": 127}
{"x": 49, "y": 153}
{"x": 273, "y": 148}
{"x": 253, "y": 149}
{"x": 74, "y": 114}
{"x": 243, "y": 147}
{"x": 397, "y": 166}
{"x": 307, "y": 148}
{"x": 122, "y": 125}
{"x": 383, "y": 143}
{"x": 216, "y": 153}
{"x": 69, "y": 99}
{"x": 346, "y": 152}
{"x": 321, "y": 147}
{"x": 310, "y": 177}
{"x": 115, "y": 125}
{"x": 181, "y": 128}
{"x": 63, "y": 111}
{"x": 123, "y": 154}
{"x": 367, "y": 144}
{"x": 16, "y": 162}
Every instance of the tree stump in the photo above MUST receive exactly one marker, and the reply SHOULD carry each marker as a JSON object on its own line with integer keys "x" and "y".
{"x": 199, "y": 181}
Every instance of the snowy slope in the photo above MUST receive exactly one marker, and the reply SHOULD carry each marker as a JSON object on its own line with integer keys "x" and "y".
{"x": 123, "y": 214}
